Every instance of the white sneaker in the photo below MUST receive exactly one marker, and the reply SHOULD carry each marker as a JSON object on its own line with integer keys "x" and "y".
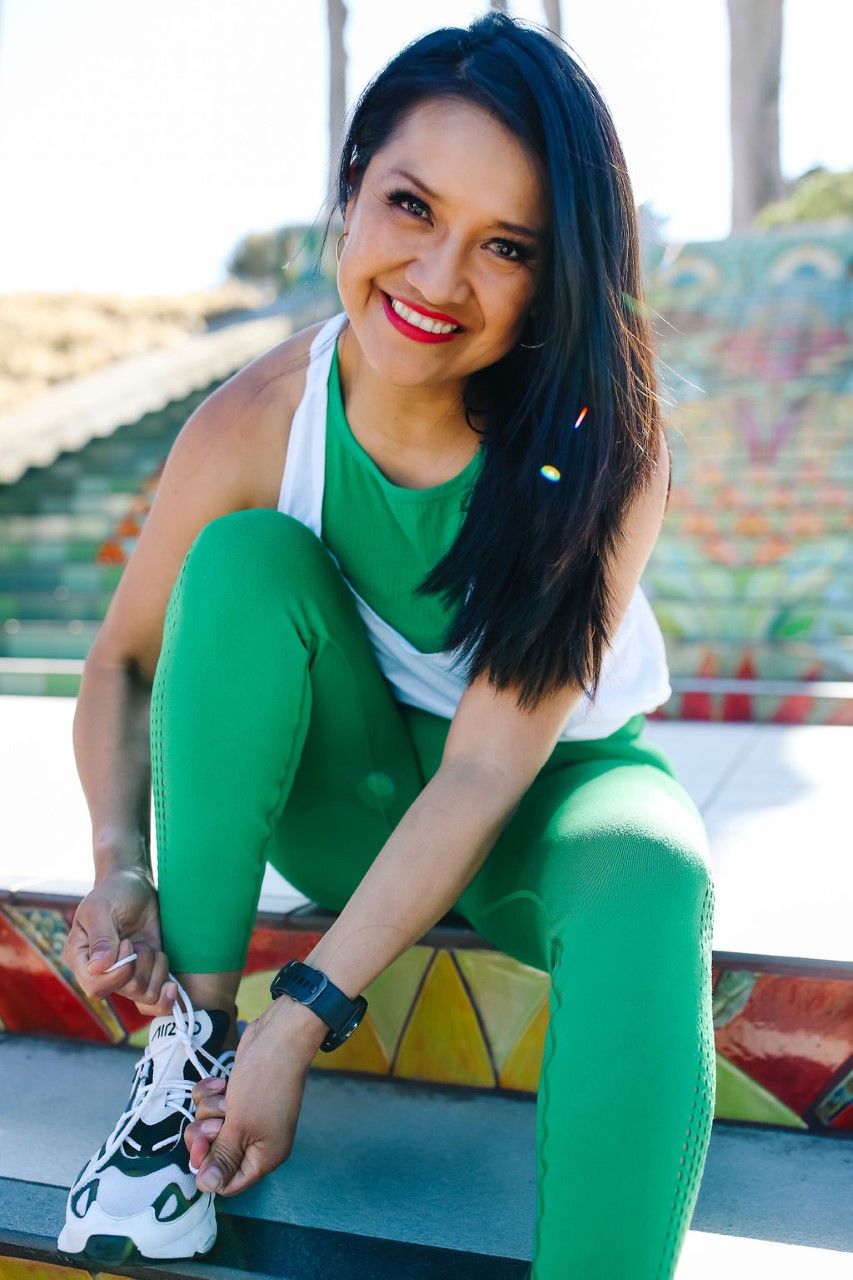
{"x": 137, "y": 1198}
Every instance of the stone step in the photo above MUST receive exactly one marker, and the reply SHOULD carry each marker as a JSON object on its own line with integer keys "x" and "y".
{"x": 69, "y": 526}
{"x": 59, "y": 605}
{"x": 74, "y": 502}
{"x": 68, "y": 579}
{"x": 442, "y": 1186}
{"x": 47, "y": 639}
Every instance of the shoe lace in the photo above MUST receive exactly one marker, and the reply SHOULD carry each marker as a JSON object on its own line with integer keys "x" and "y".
{"x": 178, "y": 1091}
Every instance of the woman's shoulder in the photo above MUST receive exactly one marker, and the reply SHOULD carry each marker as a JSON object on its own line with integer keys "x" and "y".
{"x": 255, "y": 410}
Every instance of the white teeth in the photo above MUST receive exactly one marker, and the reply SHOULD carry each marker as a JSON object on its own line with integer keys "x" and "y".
{"x": 418, "y": 321}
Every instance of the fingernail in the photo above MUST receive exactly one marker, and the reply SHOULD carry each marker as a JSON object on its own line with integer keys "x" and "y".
{"x": 210, "y": 1128}
{"x": 210, "y": 1180}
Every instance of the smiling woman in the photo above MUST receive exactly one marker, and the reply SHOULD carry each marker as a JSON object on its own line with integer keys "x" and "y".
{"x": 385, "y": 614}
{"x": 439, "y": 249}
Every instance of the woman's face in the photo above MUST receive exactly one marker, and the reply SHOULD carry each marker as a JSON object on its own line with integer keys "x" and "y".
{"x": 446, "y": 227}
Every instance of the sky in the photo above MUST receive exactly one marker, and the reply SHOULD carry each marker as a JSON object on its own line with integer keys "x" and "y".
{"x": 141, "y": 139}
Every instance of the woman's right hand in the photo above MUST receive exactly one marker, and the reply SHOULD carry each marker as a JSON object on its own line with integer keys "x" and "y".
{"x": 121, "y": 916}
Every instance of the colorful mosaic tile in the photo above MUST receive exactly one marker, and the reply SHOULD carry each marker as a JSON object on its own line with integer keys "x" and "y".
{"x": 477, "y": 1018}
{"x": 25, "y": 1269}
{"x": 792, "y": 1036}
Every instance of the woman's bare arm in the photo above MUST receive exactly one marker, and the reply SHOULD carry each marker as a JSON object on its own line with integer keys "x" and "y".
{"x": 218, "y": 463}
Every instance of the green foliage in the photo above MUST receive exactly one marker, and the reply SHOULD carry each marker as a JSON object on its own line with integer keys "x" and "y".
{"x": 818, "y": 196}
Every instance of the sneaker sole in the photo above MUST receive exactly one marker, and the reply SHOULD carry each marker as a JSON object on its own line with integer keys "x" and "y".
{"x": 92, "y": 1238}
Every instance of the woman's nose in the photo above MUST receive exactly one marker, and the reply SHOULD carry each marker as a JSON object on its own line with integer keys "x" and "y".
{"x": 439, "y": 274}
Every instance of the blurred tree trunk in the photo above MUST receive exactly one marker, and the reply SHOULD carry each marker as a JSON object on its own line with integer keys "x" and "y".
{"x": 336, "y": 13}
{"x": 552, "y": 16}
{"x": 755, "y": 41}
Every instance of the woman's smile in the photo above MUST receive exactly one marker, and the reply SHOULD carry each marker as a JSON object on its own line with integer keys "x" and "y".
{"x": 419, "y": 324}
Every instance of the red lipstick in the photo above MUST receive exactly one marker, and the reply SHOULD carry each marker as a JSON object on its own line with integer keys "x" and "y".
{"x": 411, "y": 330}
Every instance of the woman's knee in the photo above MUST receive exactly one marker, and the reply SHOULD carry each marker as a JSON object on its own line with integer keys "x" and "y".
{"x": 253, "y": 540}
{"x": 257, "y": 552}
{"x": 652, "y": 873}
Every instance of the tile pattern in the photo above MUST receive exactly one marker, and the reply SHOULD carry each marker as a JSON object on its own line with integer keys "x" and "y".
{"x": 752, "y": 576}
{"x": 25, "y": 1269}
{"x": 473, "y": 1017}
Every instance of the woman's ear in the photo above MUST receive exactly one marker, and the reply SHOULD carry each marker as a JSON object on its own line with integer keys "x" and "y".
{"x": 353, "y": 183}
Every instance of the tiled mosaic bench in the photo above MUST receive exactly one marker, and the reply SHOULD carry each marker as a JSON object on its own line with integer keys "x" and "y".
{"x": 453, "y": 1011}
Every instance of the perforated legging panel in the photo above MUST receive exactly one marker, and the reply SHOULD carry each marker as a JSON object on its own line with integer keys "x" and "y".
{"x": 697, "y": 1134}
{"x": 269, "y": 720}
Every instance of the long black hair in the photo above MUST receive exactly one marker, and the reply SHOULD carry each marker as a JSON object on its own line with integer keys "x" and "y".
{"x": 527, "y": 572}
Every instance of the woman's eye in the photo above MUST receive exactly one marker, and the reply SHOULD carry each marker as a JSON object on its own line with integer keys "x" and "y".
{"x": 510, "y": 252}
{"x": 408, "y": 203}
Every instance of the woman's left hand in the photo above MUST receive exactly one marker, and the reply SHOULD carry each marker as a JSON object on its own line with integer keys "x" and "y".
{"x": 245, "y": 1130}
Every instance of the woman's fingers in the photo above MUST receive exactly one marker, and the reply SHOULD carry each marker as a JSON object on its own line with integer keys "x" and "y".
{"x": 161, "y": 992}
{"x": 93, "y": 945}
{"x": 198, "y": 1136}
{"x": 147, "y": 972}
{"x": 209, "y": 1103}
{"x": 165, "y": 1000}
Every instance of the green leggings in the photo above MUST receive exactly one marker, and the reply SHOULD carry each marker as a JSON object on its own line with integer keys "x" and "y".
{"x": 275, "y": 737}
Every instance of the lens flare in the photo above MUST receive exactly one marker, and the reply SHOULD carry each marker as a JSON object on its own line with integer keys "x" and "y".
{"x": 550, "y": 473}
{"x": 584, "y": 411}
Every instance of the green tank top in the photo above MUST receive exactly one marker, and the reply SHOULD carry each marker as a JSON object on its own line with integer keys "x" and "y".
{"x": 387, "y": 538}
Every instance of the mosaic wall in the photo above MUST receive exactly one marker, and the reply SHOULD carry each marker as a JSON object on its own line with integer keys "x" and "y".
{"x": 24, "y": 1269}
{"x": 752, "y": 576}
{"x": 476, "y": 1018}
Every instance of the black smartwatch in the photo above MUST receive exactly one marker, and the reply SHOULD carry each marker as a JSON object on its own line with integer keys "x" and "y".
{"x": 312, "y": 988}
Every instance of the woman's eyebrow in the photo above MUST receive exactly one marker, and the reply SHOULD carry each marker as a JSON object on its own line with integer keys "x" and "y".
{"x": 516, "y": 228}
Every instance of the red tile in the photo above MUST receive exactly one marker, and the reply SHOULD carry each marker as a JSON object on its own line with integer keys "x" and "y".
{"x": 792, "y": 1036}
{"x": 272, "y": 948}
{"x": 34, "y": 998}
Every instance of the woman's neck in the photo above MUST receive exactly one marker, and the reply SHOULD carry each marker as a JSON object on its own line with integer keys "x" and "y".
{"x": 412, "y": 428}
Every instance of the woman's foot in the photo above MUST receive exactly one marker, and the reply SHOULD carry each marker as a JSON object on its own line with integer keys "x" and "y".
{"x": 137, "y": 1197}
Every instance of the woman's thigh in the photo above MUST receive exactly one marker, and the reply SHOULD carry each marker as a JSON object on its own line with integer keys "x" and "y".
{"x": 602, "y": 847}
{"x": 275, "y": 736}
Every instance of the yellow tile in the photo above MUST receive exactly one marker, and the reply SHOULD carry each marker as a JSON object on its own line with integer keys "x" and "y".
{"x": 739, "y": 1097}
{"x": 390, "y": 996}
{"x": 23, "y": 1269}
{"x": 254, "y": 996}
{"x": 507, "y": 994}
{"x": 139, "y": 1039}
{"x": 362, "y": 1052}
{"x": 443, "y": 1041}
{"x": 523, "y": 1065}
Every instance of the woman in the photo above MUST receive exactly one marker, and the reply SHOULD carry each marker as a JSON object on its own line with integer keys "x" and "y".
{"x": 385, "y": 612}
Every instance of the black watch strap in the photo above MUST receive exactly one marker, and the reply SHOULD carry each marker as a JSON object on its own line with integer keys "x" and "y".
{"x": 313, "y": 988}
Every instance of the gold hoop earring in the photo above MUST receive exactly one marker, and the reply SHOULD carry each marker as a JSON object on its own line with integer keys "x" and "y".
{"x": 338, "y": 249}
